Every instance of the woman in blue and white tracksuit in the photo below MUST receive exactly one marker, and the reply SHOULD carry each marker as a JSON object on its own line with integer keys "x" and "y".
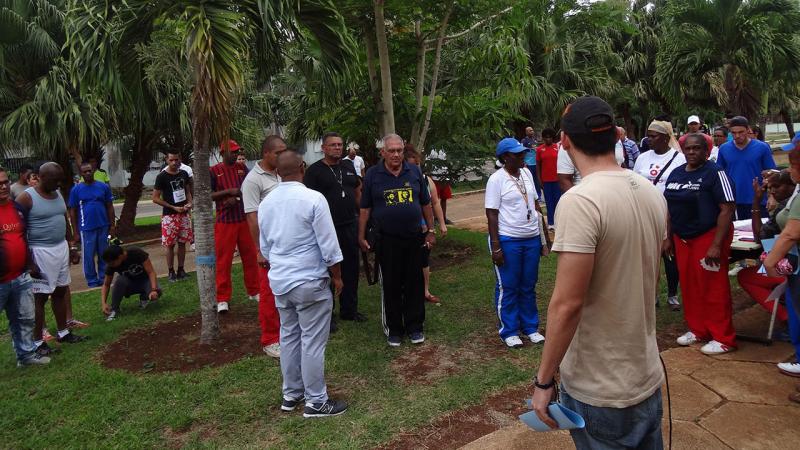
{"x": 516, "y": 242}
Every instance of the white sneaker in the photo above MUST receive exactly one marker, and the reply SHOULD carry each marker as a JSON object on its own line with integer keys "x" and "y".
{"x": 715, "y": 348}
{"x": 674, "y": 303}
{"x": 222, "y": 307}
{"x": 736, "y": 269}
{"x": 255, "y": 298}
{"x": 536, "y": 338}
{"x": 111, "y": 316}
{"x": 687, "y": 339}
{"x": 272, "y": 350}
{"x": 513, "y": 341}
{"x": 791, "y": 369}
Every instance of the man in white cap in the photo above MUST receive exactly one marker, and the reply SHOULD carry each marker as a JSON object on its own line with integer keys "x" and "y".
{"x": 693, "y": 124}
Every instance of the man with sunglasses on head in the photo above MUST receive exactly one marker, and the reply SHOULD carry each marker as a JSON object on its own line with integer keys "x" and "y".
{"x": 230, "y": 228}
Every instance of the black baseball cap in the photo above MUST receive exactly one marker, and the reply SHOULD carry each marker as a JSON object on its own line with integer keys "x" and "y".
{"x": 587, "y": 115}
{"x": 739, "y": 121}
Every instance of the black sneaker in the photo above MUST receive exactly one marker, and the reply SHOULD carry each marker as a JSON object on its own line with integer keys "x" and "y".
{"x": 46, "y": 350}
{"x": 357, "y": 317}
{"x": 394, "y": 341}
{"x": 35, "y": 360}
{"x": 328, "y": 409}
{"x": 290, "y": 405}
{"x": 72, "y": 338}
{"x": 417, "y": 338}
{"x": 182, "y": 275}
{"x": 172, "y": 277}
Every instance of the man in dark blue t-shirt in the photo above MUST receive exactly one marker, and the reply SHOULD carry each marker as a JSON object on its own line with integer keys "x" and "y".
{"x": 395, "y": 199}
{"x": 743, "y": 160}
{"x": 92, "y": 210}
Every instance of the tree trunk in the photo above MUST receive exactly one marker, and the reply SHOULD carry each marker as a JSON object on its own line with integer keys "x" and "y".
{"x": 628, "y": 120}
{"x": 386, "y": 71}
{"x": 133, "y": 191}
{"x": 204, "y": 227}
{"x": 434, "y": 77}
{"x": 786, "y": 116}
{"x": 420, "y": 87}
{"x": 374, "y": 82}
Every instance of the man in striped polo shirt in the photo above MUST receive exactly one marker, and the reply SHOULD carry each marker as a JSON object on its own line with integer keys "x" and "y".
{"x": 231, "y": 230}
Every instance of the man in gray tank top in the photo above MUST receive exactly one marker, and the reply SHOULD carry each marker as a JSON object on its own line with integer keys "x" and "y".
{"x": 48, "y": 234}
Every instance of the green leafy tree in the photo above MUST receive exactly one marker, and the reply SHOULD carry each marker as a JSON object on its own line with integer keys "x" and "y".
{"x": 220, "y": 39}
{"x": 727, "y": 50}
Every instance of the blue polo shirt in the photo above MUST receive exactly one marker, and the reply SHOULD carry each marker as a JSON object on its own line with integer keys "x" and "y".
{"x": 693, "y": 198}
{"x": 396, "y": 201}
{"x": 91, "y": 199}
{"x": 742, "y": 165}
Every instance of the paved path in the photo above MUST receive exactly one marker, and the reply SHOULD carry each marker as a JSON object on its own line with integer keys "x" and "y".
{"x": 733, "y": 401}
{"x": 146, "y": 208}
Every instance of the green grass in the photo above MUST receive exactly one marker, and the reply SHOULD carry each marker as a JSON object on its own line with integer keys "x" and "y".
{"x": 145, "y": 221}
{"x": 466, "y": 186}
{"x": 76, "y": 402}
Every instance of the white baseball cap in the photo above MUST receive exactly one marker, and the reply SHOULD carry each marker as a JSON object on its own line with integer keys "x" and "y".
{"x": 693, "y": 119}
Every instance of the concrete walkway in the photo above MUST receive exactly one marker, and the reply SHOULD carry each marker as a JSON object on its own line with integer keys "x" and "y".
{"x": 733, "y": 401}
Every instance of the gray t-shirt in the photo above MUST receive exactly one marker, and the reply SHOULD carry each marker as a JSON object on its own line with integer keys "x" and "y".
{"x": 256, "y": 185}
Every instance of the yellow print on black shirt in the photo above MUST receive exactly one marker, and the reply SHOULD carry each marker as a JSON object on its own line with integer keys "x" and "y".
{"x": 402, "y": 196}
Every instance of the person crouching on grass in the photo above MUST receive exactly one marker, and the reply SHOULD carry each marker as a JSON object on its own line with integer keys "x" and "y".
{"x": 136, "y": 276}
{"x": 701, "y": 201}
{"x": 515, "y": 242}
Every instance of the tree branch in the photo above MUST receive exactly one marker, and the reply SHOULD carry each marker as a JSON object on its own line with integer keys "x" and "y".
{"x": 468, "y": 30}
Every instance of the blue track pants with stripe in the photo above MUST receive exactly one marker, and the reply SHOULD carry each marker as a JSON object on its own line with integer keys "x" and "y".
{"x": 515, "y": 290}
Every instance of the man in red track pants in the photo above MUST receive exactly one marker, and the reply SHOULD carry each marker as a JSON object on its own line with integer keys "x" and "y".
{"x": 231, "y": 230}
{"x": 258, "y": 183}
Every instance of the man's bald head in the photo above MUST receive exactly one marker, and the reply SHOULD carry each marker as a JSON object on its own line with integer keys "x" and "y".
{"x": 290, "y": 164}
{"x": 50, "y": 175}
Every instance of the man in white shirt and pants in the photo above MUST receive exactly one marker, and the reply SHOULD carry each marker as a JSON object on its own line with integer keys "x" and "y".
{"x": 298, "y": 239}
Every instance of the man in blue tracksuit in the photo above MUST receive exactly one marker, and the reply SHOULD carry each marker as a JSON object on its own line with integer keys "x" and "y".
{"x": 92, "y": 210}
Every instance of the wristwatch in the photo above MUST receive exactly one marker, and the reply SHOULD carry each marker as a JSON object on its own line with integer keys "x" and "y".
{"x": 545, "y": 385}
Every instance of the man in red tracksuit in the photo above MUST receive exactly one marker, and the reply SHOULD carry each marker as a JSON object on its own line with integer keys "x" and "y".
{"x": 231, "y": 230}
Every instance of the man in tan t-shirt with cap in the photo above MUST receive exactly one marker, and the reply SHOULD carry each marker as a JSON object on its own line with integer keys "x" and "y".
{"x": 601, "y": 319}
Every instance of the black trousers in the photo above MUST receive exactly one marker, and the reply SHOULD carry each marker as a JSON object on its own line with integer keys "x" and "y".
{"x": 402, "y": 285}
{"x": 348, "y": 242}
{"x": 671, "y": 270}
{"x": 125, "y": 287}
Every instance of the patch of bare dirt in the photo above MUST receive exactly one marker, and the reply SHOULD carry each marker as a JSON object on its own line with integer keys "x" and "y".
{"x": 179, "y": 438}
{"x": 449, "y": 252}
{"x": 430, "y": 363}
{"x": 465, "y": 425}
{"x": 174, "y": 346}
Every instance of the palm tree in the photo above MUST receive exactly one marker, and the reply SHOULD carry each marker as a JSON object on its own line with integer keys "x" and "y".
{"x": 728, "y": 50}
{"x": 221, "y": 38}
{"x": 41, "y": 107}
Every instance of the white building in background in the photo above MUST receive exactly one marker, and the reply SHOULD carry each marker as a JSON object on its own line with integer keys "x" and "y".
{"x": 114, "y": 166}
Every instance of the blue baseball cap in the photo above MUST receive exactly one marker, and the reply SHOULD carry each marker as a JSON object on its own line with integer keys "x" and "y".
{"x": 791, "y": 145}
{"x": 509, "y": 145}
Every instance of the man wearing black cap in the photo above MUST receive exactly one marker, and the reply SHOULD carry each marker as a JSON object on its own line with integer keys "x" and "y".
{"x": 600, "y": 332}
{"x": 743, "y": 160}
